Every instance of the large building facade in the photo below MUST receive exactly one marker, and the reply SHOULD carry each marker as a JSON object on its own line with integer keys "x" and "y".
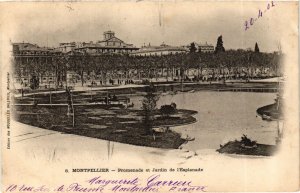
{"x": 33, "y": 65}
{"x": 67, "y": 47}
{"x": 109, "y": 45}
{"x": 203, "y": 47}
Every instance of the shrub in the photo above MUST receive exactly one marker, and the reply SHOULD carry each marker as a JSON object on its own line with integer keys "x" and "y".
{"x": 174, "y": 105}
{"x": 167, "y": 110}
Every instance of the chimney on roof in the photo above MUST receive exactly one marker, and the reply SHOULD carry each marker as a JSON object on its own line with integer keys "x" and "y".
{"x": 108, "y": 35}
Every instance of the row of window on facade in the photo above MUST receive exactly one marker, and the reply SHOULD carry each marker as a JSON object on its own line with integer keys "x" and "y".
{"x": 105, "y": 50}
{"x": 27, "y": 52}
{"x": 159, "y": 53}
{"x": 132, "y": 51}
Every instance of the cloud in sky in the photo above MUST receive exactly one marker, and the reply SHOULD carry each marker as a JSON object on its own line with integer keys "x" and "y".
{"x": 175, "y": 23}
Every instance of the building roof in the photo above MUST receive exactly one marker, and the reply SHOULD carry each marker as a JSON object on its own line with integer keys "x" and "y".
{"x": 101, "y": 45}
{"x": 72, "y": 44}
{"x": 203, "y": 44}
{"x": 114, "y": 37}
{"x": 26, "y": 46}
{"x": 105, "y": 47}
{"x": 33, "y": 47}
{"x": 163, "y": 47}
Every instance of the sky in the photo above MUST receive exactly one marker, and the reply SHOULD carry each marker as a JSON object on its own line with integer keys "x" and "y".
{"x": 174, "y": 22}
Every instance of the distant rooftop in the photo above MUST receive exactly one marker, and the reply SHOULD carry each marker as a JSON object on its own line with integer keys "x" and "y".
{"x": 162, "y": 47}
{"x": 23, "y": 46}
{"x": 203, "y": 44}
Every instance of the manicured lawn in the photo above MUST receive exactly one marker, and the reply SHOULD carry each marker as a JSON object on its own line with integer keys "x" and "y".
{"x": 115, "y": 124}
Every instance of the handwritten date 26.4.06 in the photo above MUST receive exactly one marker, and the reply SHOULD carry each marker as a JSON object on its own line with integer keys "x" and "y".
{"x": 250, "y": 22}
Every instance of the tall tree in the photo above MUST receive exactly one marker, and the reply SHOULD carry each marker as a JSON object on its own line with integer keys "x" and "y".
{"x": 193, "y": 48}
{"x": 199, "y": 49}
{"x": 148, "y": 107}
{"x": 219, "y": 46}
{"x": 256, "y": 49}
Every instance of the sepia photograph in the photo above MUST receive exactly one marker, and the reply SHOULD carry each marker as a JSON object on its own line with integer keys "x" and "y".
{"x": 149, "y": 96}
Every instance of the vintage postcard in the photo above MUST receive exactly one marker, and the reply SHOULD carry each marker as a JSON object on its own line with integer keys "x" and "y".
{"x": 149, "y": 96}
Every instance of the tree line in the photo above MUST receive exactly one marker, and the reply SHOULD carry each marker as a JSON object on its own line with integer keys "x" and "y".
{"x": 228, "y": 59}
